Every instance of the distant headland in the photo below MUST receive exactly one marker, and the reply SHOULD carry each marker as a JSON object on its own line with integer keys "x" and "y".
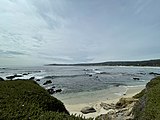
{"x": 155, "y": 63}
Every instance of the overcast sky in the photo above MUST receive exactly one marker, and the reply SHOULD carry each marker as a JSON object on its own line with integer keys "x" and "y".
{"x": 75, "y": 31}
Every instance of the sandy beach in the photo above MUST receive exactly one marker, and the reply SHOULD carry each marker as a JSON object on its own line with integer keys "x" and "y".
{"x": 76, "y": 108}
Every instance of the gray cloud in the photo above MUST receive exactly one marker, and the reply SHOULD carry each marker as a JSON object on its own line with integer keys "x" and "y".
{"x": 11, "y": 53}
{"x": 79, "y": 31}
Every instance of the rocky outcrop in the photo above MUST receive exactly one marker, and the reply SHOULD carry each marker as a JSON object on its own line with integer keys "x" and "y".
{"x": 124, "y": 102}
{"x": 13, "y": 76}
{"x": 122, "y": 110}
{"x": 87, "y": 110}
{"x": 107, "y": 106}
{"x": 143, "y": 106}
{"x": 90, "y": 75}
{"x": 52, "y": 90}
{"x": 10, "y": 77}
{"x": 58, "y": 90}
{"x": 47, "y": 82}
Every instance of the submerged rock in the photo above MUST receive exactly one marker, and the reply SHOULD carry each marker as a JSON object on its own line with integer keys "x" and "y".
{"x": 141, "y": 73}
{"x": 51, "y": 91}
{"x": 87, "y": 110}
{"x": 47, "y": 82}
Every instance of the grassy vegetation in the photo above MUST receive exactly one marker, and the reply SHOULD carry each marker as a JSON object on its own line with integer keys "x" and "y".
{"x": 139, "y": 95}
{"x": 148, "y": 107}
{"x": 25, "y": 99}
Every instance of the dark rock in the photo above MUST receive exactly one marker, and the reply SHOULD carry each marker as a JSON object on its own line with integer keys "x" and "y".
{"x": 58, "y": 90}
{"x": 123, "y": 102}
{"x": 13, "y": 76}
{"x": 10, "y": 77}
{"x": 32, "y": 78}
{"x": 136, "y": 78}
{"x": 87, "y": 110}
{"x": 90, "y": 75}
{"x": 47, "y": 82}
{"x": 1, "y": 79}
{"x": 51, "y": 91}
{"x": 38, "y": 80}
{"x": 153, "y": 73}
{"x": 107, "y": 106}
{"x": 141, "y": 73}
{"x": 26, "y": 73}
{"x": 18, "y": 75}
{"x": 53, "y": 87}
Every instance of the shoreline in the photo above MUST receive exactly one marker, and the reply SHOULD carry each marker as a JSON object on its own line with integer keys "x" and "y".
{"x": 76, "y": 108}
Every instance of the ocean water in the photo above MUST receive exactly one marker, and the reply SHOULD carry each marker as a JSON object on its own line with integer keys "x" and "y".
{"x": 82, "y": 81}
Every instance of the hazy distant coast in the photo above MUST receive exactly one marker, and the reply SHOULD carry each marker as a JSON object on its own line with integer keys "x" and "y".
{"x": 155, "y": 63}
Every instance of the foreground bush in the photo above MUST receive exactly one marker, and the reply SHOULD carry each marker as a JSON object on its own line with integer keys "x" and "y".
{"x": 148, "y": 107}
{"x": 25, "y": 99}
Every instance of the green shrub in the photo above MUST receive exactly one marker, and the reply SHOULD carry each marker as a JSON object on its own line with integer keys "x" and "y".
{"x": 25, "y": 99}
{"x": 148, "y": 107}
{"x": 139, "y": 95}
